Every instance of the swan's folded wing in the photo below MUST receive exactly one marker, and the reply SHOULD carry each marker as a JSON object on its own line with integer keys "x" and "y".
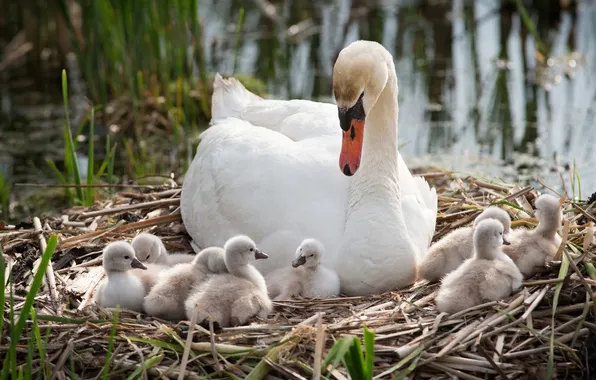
{"x": 308, "y": 195}
{"x": 419, "y": 205}
{"x": 296, "y": 119}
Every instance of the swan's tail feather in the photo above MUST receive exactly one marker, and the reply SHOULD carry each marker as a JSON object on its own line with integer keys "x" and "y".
{"x": 230, "y": 97}
{"x": 430, "y": 200}
{"x": 428, "y": 194}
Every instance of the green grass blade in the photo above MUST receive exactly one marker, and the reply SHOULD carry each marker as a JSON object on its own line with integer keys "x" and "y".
{"x": 149, "y": 363}
{"x": 70, "y": 158}
{"x": 3, "y": 293}
{"x": 551, "y": 353}
{"x": 354, "y": 360}
{"x": 71, "y": 367}
{"x": 106, "y": 367}
{"x": 11, "y": 354}
{"x": 158, "y": 343}
{"x": 91, "y": 158}
{"x": 35, "y": 285}
{"x": 111, "y": 159}
{"x": 417, "y": 352}
{"x": 337, "y": 352}
{"x": 403, "y": 374}
{"x": 46, "y": 370}
{"x": 39, "y": 343}
{"x": 30, "y": 350}
{"x": 369, "y": 349}
{"x": 60, "y": 178}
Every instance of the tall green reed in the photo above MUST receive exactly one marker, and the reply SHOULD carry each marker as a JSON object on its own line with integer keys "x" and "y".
{"x": 9, "y": 365}
{"x": 72, "y": 174}
{"x": 348, "y": 350}
{"x": 125, "y": 38}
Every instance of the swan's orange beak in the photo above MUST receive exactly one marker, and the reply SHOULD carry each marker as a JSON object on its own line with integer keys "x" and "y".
{"x": 351, "y": 121}
{"x": 351, "y": 147}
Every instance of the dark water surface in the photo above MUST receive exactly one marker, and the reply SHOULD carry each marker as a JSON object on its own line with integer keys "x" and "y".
{"x": 474, "y": 95}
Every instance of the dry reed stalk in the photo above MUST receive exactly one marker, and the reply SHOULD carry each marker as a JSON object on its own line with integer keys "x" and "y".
{"x": 501, "y": 338}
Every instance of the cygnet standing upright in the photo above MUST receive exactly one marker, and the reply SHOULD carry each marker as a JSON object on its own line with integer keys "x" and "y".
{"x": 120, "y": 287}
{"x": 482, "y": 278}
{"x": 448, "y": 253}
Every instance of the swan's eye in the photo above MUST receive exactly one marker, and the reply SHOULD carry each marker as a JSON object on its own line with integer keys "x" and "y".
{"x": 127, "y": 257}
{"x": 148, "y": 256}
{"x": 251, "y": 249}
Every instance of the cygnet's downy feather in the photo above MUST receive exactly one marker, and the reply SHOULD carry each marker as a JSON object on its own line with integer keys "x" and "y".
{"x": 454, "y": 248}
{"x": 166, "y": 299}
{"x": 307, "y": 277}
{"x": 151, "y": 250}
{"x": 234, "y": 298}
{"x": 120, "y": 287}
{"x": 532, "y": 249}
{"x": 484, "y": 277}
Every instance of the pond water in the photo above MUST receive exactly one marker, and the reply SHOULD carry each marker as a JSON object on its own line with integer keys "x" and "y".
{"x": 474, "y": 95}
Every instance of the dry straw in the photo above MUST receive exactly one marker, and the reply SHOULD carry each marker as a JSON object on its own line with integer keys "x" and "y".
{"x": 547, "y": 329}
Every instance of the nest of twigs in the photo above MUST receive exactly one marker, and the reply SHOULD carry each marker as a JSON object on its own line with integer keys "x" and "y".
{"x": 547, "y": 328}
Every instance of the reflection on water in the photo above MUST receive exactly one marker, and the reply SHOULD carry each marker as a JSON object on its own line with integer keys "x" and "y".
{"x": 474, "y": 94}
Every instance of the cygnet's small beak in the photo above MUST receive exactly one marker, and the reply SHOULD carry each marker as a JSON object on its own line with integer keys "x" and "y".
{"x": 299, "y": 261}
{"x": 135, "y": 263}
{"x": 506, "y": 242}
{"x": 260, "y": 255}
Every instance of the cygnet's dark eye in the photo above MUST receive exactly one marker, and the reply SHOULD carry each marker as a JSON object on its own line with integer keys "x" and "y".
{"x": 148, "y": 256}
{"x": 127, "y": 257}
{"x": 251, "y": 249}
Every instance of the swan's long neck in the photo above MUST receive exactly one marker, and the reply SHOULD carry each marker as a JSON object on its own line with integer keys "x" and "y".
{"x": 377, "y": 177}
{"x": 375, "y": 233}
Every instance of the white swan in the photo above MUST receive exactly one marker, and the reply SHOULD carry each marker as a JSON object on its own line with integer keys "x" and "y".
{"x": 268, "y": 169}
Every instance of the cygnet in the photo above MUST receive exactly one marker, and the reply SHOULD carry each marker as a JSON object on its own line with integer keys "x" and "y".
{"x": 308, "y": 277}
{"x": 151, "y": 250}
{"x": 532, "y": 249}
{"x": 448, "y": 253}
{"x": 166, "y": 298}
{"x": 482, "y": 278}
{"x": 120, "y": 287}
{"x": 232, "y": 299}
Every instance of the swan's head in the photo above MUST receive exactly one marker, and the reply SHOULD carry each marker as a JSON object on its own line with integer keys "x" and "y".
{"x": 211, "y": 259}
{"x": 548, "y": 208}
{"x": 359, "y": 76}
{"x": 241, "y": 250}
{"x": 494, "y": 212}
{"x": 309, "y": 253}
{"x": 148, "y": 248}
{"x": 488, "y": 236}
{"x": 119, "y": 256}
